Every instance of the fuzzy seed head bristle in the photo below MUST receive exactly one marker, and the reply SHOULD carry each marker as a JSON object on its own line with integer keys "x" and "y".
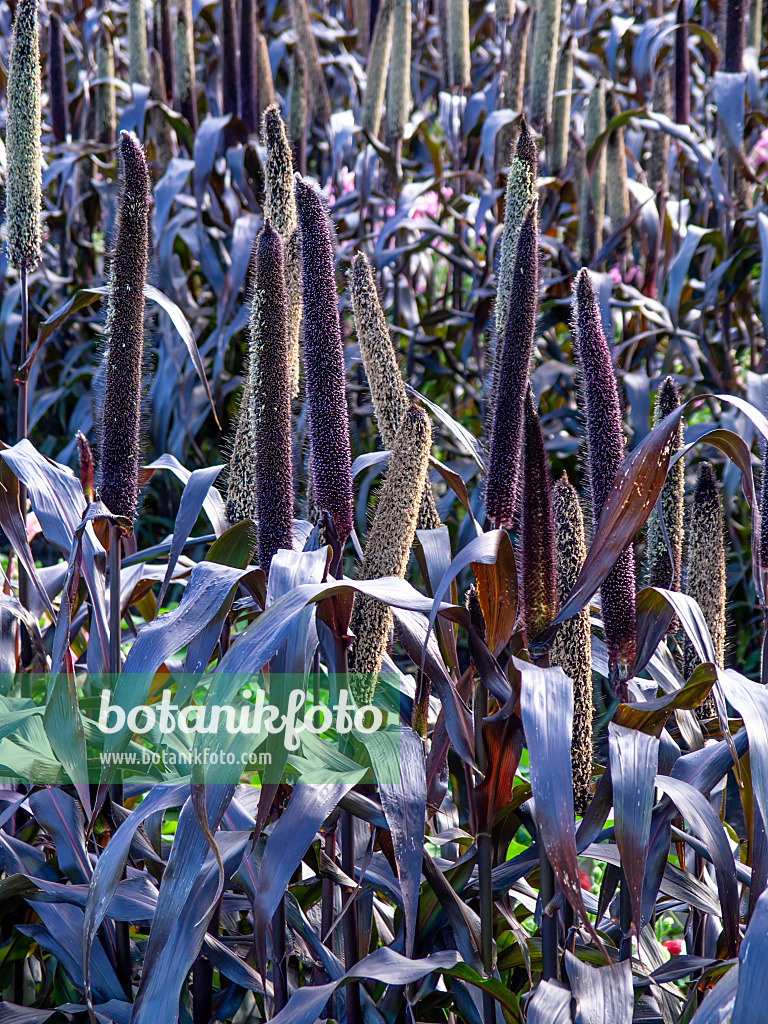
{"x": 302, "y": 26}
{"x": 24, "y": 168}
{"x": 561, "y": 113}
{"x": 544, "y": 60}
{"x": 705, "y": 569}
{"x": 376, "y": 68}
{"x": 662, "y": 572}
{"x": 388, "y": 547}
{"x": 271, "y": 396}
{"x": 324, "y": 361}
{"x": 121, "y": 417}
{"x": 572, "y": 648}
{"x": 390, "y": 401}
{"x": 616, "y": 173}
{"x": 399, "y": 82}
{"x": 279, "y": 202}
{"x": 137, "y": 42}
{"x": 514, "y": 365}
{"x": 661, "y": 103}
{"x": 537, "y": 548}
{"x": 592, "y": 190}
{"x": 605, "y": 447}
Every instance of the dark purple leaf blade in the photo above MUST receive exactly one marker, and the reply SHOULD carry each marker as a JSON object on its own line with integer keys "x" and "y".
{"x": 752, "y": 996}
{"x": 62, "y": 817}
{"x": 184, "y": 904}
{"x": 305, "y": 812}
{"x": 546, "y": 702}
{"x": 15, "y": 530}
{"x": 192, "y": 497}
{"x": 634, "y": 760}
{"x": 550, "y": 1004}
{"x": 603, "y": 995}
{"x": 405, "y": 804}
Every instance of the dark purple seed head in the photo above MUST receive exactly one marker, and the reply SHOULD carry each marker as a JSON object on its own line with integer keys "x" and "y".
{"x": 324, "y": 361}
{"x": 228, "y": 57}
{"x": 525, "y": 150}
{"x": 271, "y": 397}
{"x": 605, "y": 448}
{"x": 248, "y": 59}
{"x": 57, "y": 79}
{"x": 515, "y": 357}
{"x": 682, "y": 68}
{"x": 121, "y": 418}
{"x": 537, "y": 543}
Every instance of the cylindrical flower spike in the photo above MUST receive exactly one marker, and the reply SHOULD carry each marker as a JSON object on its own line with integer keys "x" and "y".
{"x": 616, "y": 173}
{"x": 378, "y": 63}
{"x": 280, "y": 208}
{"x": 318, "y": 90}
{"x": 682, "y": 68}
{"x": 241, "y": 473}
{"x": 57, "y": 80}
{"x": 106, "y": 112}
{"x": 185, "y": 64}
{"x": 121, "y": 417}
{"x": 605, "y": 446}
{"x": 572, "y": 648}
{"x": 165, "y": 40}
{"x": 228, "y": 58}
{"x": 265, "y": 89}
{"x": 324, "y": 362}
{"x": 705, "y": 571}
{"x": 544, "y": 60}
{"x": 297, "y": 110}
{"x": 390, "y": 401}
{"x": 388, "y": 547}
{"x": 520, "y": 193}
{"x": 592, "y": 189}
{"x": 399, "y": 82}
{"x": 537, "y": 545}
{"x": 137, "y": 43}
{"x": 270, "y": 388}
{"x": 662, "y": 572}
{"x": 517, "y": 60}
{"x": 22, "y": 140}
{"x": 661, "y": 103}
{"x": 561, "y": 116}
{"x": 458, "y": 14}
{"x": 249, "y": 103}
{"x": 514, "y": 364}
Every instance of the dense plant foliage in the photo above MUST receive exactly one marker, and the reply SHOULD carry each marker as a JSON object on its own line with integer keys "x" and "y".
{"x": 450, "y": 320}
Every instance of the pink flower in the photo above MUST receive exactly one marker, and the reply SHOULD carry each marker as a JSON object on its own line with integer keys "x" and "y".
{"x": 428, "y": 204}
{"x": 347, "y": 178}
{"x": 615, "y": 275}
{"x": 673, "y": 946}
{"x": 446, "y": 192}
{"x": 389, "y": 210}
{"x": 759, "y": 154}
{"x": 33, "y": 526}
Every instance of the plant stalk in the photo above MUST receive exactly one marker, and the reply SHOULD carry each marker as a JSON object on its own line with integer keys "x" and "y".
{"x": 484, "y": 867}
{"x": 202, "y": 977}
{"x": 548, "y": 920}
{"x": 279, "y": 980}
{"x": 354, "y": 1012}
{"x": 21, "y": 432}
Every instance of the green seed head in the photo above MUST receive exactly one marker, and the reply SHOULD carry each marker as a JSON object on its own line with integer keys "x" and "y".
{"x": 572, "y": 648}
{"x": 399, "y": 84}
{"x": 297, "y": 110}
{"x": 661, "y": 102}
{"x": 662, "y": 572}
{"x": 318, "y": 90}
{"x": 561, "y": 116}
{"x": 390, "y": 401}
{"x": 458, "y": 14}
{"x": 616, "y": 174}
{"x": 106, "y": 114}
{"x": 544, "y": 61}
{"x": 24, "y": 173}
{"x": 378, "y": 62}
{"x": 388, "y": 547}
{"x": 137, "y": 42}
{"x": 705, "y": 569}
{"x": 592, "y": 189}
